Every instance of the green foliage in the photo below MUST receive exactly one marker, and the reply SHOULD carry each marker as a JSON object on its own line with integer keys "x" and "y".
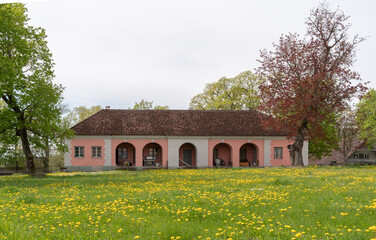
{"x": 366, "y": 117}
{"x": 324, "y": 144}
{"x": 229, "y": 93}
{"x": 32, "y": 101}
{"x": 80, "y": 113}
{"x": 11, "y": 155}
{"x": 146, "y": 105}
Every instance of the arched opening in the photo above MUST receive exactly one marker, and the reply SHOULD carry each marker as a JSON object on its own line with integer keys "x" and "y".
{"x": 187, "y": 155}
{"x": 248, "y": 155}
{"x": 152, "y": 155}
{"x": 222, "y": 155}
{"x": 125, "y": 154}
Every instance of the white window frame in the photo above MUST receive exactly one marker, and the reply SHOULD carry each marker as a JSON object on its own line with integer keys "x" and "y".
{"x": 79, "y": 151}
{"x": 278, "y": 152}
{"x": 96, "y": 152}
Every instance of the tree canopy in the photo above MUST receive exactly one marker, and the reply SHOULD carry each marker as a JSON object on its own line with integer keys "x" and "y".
{"x": 146, "y": 105}
{"x": 306, "y": 79}
{"x": 229, "y": 94}
{"x": 366, "y": 117}
{"x": 80, "y": 113}
{"x": 32, "y": 108}
{"x": 324, "y": 144}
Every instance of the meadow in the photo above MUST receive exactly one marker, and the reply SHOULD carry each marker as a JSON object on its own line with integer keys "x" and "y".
{"x": 267, "y": 203}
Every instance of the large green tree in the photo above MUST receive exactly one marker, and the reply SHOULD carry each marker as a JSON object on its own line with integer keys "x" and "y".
{"x": 366, "y": 117}
{"x": 32, "y": 101}
{"x": 229, "y": 94}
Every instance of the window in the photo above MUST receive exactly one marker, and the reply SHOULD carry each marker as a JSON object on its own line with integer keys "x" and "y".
{"x": 153, "y": 152}
{"x": 355, "y": 156}
{"x": 361, "y": 156}
{"x": 96, "y": 152}
{"x": 215, "y": 153}
{"x": 277, "y": 153}
{"x": 366, "y": 156}
{"x": 243, "y": 154}
{"x": 122, "y": 153}
{"x": 79, "y": 152}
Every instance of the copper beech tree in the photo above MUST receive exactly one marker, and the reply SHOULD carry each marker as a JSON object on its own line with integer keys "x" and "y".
{"x": 306, "y": 79}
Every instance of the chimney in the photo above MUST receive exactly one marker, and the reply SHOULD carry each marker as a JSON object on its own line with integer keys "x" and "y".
{"x": 107, "y": 107}
{"x": 245, "y": 107}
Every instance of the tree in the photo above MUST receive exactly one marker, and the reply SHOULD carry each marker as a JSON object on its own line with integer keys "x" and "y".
{"x": 80, "y": 113}
{"x": 348, "y": 133}
{"x": 11, "y": 153}
{"x": 307, "y": 79}
{"x": 366, "y": 117}
{"x": 146, "y": 105}
{"x": 324, "y": 144}
{"x": 229, "y": 94}
{"x": 32, "y": 100}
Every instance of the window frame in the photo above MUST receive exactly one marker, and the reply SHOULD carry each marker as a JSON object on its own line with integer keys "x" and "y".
{"x": 80, "y": 153}
{"x": 95, "y": 153}
{"x": 278, "y": 152}
{"x": 154, "y": 152}
{"x": 215, "y": 153}
{"x": 122, "y": 151}
{"x": 243, "y": 154}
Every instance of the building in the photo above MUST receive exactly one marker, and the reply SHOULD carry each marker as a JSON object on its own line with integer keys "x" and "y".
{"x": 362, "y": 155}
{"x": 113, "y": 139}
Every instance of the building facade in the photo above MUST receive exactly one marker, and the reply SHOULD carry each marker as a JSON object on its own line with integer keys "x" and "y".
{"x": 112, "y": 139}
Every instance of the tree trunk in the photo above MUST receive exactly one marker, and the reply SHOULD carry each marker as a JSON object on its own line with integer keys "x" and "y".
{"x": 292, "y": 153}
{"x": 27, "y": 151}
{"x": 15, "y": 156}
{"x": 46, "y": 159}
{"x": 298, "y": 144}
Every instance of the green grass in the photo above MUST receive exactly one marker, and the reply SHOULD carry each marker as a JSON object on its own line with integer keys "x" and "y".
{"x": 269, "y": 203}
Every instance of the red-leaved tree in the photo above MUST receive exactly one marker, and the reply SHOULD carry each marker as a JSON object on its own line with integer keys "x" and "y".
{"x": 305, "y": 79}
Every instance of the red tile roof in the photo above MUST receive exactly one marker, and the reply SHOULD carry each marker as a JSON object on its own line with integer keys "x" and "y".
{"x": 175, "y": 123}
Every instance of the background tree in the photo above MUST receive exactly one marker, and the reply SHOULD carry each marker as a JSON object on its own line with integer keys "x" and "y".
{"x": 229, "y": 94}
{"x": 32, "y": 100}
{"x": 11, "y": 152}
{"x": 348, "y": 133}
{"x": 146, "y": 105}
{"x": 307, "y": 79}
{"x": 324, "y": 144}
{"x": 366, "y": 117}
{"x": 80, "y": 113}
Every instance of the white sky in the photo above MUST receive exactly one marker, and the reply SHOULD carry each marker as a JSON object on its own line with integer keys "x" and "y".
{"x": 118, "y": 52}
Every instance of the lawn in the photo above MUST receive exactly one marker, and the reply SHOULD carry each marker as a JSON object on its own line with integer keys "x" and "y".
{"x": 267, "y": 203}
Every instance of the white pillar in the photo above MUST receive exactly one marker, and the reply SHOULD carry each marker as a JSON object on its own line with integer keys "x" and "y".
{"x": 107, "y": 152}
{"x": 305, "y": 153}
{"x": 267, "y": 153}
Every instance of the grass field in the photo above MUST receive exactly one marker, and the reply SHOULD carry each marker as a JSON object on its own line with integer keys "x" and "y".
{"x": 269, "y": 203}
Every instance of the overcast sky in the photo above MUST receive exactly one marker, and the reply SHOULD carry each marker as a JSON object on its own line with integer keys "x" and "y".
{"x": 118, "y": 52}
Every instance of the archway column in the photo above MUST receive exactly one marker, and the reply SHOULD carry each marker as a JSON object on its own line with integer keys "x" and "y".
{"x": 235, "y": 158}
{"x": 139, "y": 161}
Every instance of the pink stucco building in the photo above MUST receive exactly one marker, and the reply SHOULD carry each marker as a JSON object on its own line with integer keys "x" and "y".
{"x": 113, "y": 139}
